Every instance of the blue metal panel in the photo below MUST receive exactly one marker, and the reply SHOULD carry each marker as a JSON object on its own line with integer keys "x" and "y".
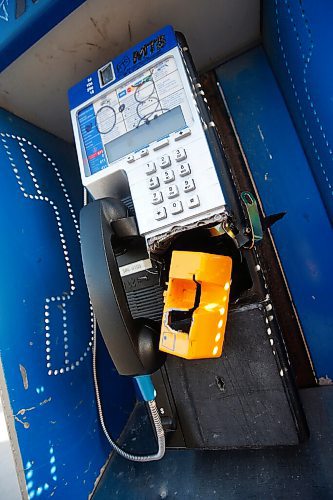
{"x": 285, "y": 183}
{"x": 298, "y": 38}
{"x": 23, "y": 22}
{"x": 46, "y": 321}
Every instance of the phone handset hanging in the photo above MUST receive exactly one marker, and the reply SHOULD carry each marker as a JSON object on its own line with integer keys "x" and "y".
{"x": 132, "y": 344}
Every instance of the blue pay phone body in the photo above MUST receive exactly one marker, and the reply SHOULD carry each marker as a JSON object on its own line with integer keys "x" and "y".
{"x": 141, "y": 126}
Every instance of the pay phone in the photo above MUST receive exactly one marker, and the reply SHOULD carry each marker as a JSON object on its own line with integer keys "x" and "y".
{"x": 142, "y": 128}
{"x": 151, "y": 159}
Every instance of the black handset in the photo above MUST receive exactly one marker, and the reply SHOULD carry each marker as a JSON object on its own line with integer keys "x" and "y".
{"x": 132, "y": 344}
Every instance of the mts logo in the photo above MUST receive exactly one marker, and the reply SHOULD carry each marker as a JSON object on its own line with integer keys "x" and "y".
{"x": 149, "y": 48}
{"x": 21, "y": 7}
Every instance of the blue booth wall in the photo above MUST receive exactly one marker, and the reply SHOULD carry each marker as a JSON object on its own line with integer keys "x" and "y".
{"x": 298, "y": 39}
{"x": 285, "y": 183}
{"x": 46, "y": 319}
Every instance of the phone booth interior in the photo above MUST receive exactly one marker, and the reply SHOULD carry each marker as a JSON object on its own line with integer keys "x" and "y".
{"x": 256, "y": 403}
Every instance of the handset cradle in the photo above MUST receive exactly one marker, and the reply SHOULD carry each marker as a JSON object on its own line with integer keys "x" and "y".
{"x": 132, "y": 344}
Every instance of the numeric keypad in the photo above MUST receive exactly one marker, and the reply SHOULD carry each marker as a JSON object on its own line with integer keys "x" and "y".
{"x": 188, "y": 185}
{"x": 164, "y": 161}
{"x": 153, "y": 182}
{"x": 172, "y": 191}
{"x": 180, "y": 154}
{"x": 184, "y": 169}
{"x": 168, "y": 176}
{"x": 173, "y": 183}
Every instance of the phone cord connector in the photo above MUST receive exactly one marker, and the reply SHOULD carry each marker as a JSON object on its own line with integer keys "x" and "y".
{"x": 154, "y": 414}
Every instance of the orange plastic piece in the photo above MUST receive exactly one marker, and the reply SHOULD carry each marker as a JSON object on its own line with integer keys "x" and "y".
{"x": 192, "y": 273}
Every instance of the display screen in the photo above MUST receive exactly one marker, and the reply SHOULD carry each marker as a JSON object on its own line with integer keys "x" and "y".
{"x": 142, "y": 136}
{"x": 143, "y": 109}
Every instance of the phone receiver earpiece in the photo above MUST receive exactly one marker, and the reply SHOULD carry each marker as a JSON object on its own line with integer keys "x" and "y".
{"x": 132, "y": 344}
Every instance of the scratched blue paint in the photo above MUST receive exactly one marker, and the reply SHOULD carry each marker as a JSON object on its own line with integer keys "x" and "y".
{"x": 61, "y": 442}
{"x": 284, "y": 179}
{"x": 298, "y": 39}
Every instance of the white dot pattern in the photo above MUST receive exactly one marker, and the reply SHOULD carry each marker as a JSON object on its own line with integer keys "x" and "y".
{"x": 268, "y": 307}
{"x": 306, "y": 61}
{"x": 65, "y": 297}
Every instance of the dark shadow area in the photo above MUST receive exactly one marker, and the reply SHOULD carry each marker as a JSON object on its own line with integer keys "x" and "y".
{"x": 303, "y": 471}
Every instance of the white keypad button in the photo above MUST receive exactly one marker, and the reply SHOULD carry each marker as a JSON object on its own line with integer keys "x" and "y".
{"x": 193, "y": 201}
{"x": 160, "y": 144}
{"x": 160, "y": 213}
{"x": 182, "y": 133}
{"x": 168, "y": 176}
{"x": 180, "y": 154}
{"x": 144, "y": 152}
{"x": 184, "y": 169}
{"x": 150, "y": 168}
{"x": 164, "y": 161}
{"x": 172, "y": 191}
{"x": 157, "y": 198}
{"x": 130, "y": 158}
{"x": 153, "y": 183}
{"x": 176, "y": 207}
{"x": 188, "y": 185}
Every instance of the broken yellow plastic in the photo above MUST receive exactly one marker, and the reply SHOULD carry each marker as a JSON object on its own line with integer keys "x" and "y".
{"x": 196, "y": 305}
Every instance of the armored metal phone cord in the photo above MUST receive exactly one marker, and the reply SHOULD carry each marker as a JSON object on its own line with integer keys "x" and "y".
{"x": 154, "y": 413}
